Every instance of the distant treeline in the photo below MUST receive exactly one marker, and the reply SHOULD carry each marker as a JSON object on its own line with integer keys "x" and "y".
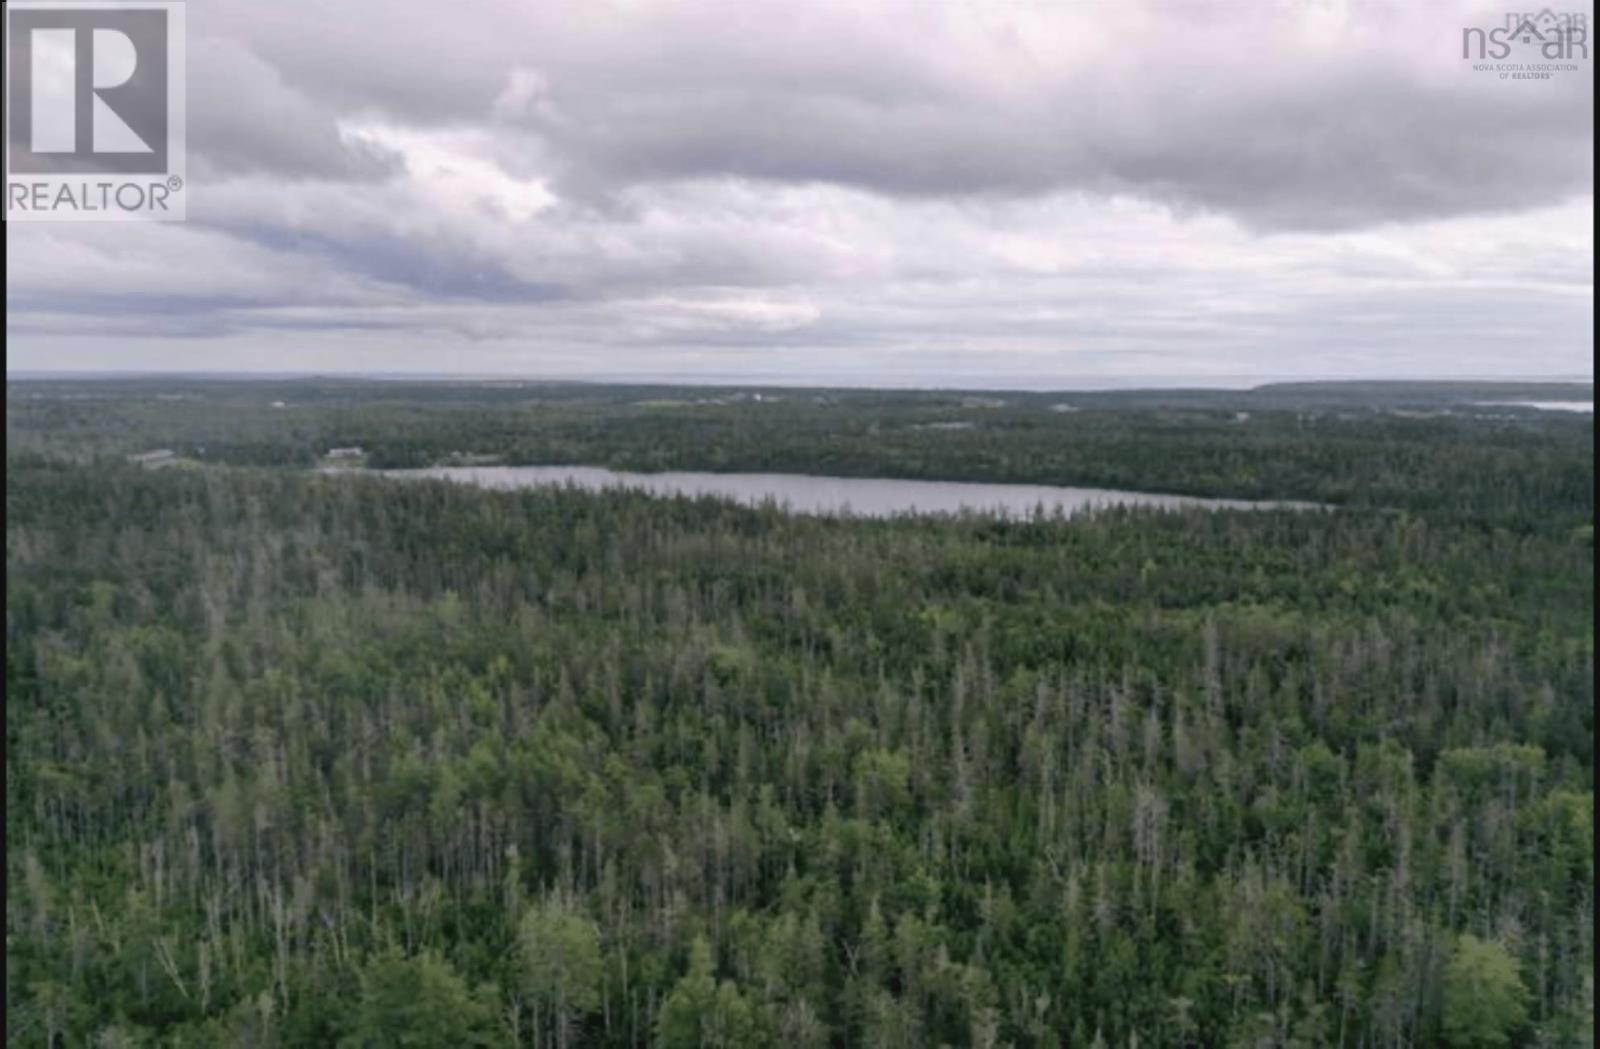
{"x": 1404, "y": 446}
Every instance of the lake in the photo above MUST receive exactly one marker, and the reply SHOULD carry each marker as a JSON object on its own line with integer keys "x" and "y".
{"x": 851, "y": 496}
{"x": 1545, "y": 406}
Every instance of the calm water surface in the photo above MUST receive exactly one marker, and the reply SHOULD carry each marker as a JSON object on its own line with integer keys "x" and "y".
{"x": 856, "y": 496}
{"x": 1546, "y": 406}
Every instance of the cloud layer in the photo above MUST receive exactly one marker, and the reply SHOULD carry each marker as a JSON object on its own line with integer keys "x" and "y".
{"x": 925, "y": 193}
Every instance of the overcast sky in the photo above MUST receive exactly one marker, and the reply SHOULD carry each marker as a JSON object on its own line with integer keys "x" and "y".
{"x": 911, "y": 192}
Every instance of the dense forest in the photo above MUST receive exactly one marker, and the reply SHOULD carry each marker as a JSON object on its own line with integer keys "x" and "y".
{"x": 295, "y": 759}
{"x": 1456, "y": 448}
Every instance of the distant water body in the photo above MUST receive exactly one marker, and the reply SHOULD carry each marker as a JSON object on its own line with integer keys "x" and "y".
{"x": 842, "y": 496}
{"x": 1547, "y": 406}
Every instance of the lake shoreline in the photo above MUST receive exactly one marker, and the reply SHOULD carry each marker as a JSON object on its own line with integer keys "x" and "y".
{"x": 833, "y": 496}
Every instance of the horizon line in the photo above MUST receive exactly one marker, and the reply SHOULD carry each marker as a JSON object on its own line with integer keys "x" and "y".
{"x": 1104, "y": 384}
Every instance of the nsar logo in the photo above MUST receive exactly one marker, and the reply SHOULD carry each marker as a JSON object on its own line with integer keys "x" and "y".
{"x": 1542, "y": 44}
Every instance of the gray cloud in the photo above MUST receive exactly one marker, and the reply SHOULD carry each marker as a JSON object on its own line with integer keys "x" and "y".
{"x": 1309, "y": 116}
{"x": 1023, "y": 189}
{"x": 245, "y": 119}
